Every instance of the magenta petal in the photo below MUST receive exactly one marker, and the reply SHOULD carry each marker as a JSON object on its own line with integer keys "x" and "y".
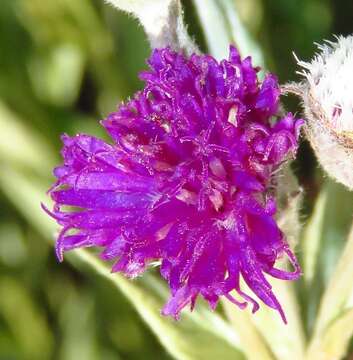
{"x": 178, "y": 301}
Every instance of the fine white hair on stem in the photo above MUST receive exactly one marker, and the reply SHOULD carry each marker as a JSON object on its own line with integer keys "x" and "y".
{"x": 330, "y": 77}
{"x": 327, "y": 94}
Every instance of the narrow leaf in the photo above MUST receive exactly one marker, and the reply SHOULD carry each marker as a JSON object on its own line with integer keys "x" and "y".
{"x": 334, "y": 343}
{"x": 250, "y": 337}
{"x": 287, "y": 342}
{"x": 332, "y": 269}
{"x": 311, "y": 237}
{"x": 266, "y": 331}
{"x": 217, "y": 34}
{"x": 222, "y": 26}
{"x": 337, "y": 292}
{"x": 241, "y": 37}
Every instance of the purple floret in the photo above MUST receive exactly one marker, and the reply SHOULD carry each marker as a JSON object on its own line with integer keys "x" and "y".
{"x": 187, "y": 181}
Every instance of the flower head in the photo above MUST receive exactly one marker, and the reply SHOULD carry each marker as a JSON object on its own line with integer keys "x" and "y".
{"x": 328, "y": 104}
{"x": 187, "y": 181}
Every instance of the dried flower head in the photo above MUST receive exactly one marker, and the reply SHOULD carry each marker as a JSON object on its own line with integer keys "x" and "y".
{"x": 187, "y": 181}
{"x": 328, "y": 104}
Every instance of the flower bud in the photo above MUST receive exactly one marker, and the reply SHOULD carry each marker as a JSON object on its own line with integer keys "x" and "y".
{"x": 327, "y": 94}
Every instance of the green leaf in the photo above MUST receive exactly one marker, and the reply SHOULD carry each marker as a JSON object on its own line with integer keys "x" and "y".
{"x": 312, "y": 235}
{"x": 287, "y": 341}
{"x": 334, "y": 266}
{"x": 51, "y": 69}
{"x": 25, "y": 319}
{"x": 336, "y": 294}
{"x": 334, "y": 342}
{"x": 21, "y": 145}
{"x": 337, "y": 222}
{"x": 217, "y": 34}
{"x": 266, "y": 331}
{"x": 249, "y": 335}
{"x": 311, "y": 243}
{"x": 77, "y": 318}
{"x": 222, "y": 26}
{"x": 323, "y": 241}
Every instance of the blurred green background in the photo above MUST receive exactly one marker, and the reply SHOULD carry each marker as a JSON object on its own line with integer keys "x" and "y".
{"x": 64, "y": 65}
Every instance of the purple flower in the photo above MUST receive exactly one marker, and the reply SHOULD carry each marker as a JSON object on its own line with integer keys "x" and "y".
{"x": 187, "y": 181}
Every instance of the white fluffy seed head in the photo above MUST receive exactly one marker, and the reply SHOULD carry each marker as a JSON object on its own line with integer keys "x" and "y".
{"x": 330, "y": 77}
{"x": 327, "y": 94}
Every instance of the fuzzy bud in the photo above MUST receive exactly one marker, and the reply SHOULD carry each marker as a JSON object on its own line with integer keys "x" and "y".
{"x": 327, "y": 94}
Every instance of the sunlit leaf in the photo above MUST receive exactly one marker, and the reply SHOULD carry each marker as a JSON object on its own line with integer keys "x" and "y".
{"x": 287, "y": 342}
{"x": 312, "y": 235}
{"x": 338, "y": 291}
{"x": 250, "y": 337}
{"x": 339, "y": 288}
{"x": 222, "y": 26}
{"x": 266, "y": 331}
{"x": 57, "y": 74}
{"x": 334, "y": 342}
{"x": 333, "y": 268}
